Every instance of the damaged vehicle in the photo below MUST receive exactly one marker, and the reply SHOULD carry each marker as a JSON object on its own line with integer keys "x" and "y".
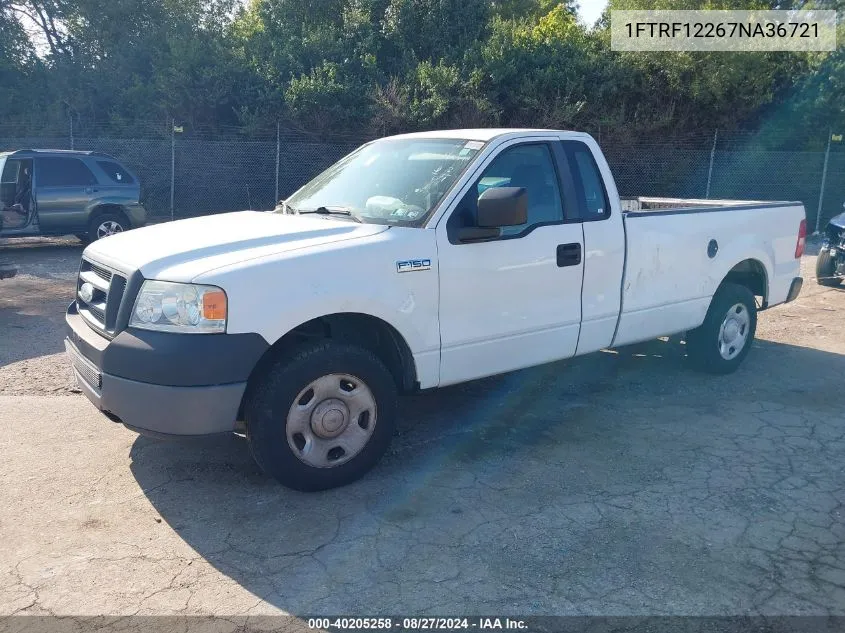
{"x": 830, "y": 265}
{"x": 60, "y": 192}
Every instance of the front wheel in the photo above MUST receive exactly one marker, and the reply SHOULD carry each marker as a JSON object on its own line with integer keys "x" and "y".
{"x": 721, "y": 343}
{"x": 321, "y": 418}
{"x": 826, "y": 269}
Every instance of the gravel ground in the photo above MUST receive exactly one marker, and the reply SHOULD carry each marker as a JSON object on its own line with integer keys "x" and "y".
{"x": 620, "y": 483}
{"x": 32, "y": 308}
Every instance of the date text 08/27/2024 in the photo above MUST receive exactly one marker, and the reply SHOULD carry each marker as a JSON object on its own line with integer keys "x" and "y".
{"x": 417, "y": 624}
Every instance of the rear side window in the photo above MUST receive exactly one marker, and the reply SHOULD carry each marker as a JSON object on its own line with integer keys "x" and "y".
{"x": 62, "y": 172}
{"x": 115, "y": 172}
{"x": 591, "y": 193}
{"x": 10, "y": 171}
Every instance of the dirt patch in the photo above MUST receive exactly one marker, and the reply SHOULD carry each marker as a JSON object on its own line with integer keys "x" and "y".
{"x": 32, "y": 309}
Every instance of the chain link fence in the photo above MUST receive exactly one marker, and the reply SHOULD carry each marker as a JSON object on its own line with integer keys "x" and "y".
{"x": 688, "y": 170}
{"x": 183, "y": 177}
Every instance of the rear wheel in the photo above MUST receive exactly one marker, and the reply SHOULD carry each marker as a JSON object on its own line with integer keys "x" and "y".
{"x": 721, "y": 343}
{"x": 826, "y": 269}
{"x": 106, "y": 224}
{"x": 321, "y": 418}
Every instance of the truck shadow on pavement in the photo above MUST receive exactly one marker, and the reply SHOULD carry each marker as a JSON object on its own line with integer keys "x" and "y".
{"x": 620, "y": 482}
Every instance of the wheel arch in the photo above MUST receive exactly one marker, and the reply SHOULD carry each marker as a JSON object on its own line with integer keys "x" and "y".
{"x": 101, "y": 208}
{"x": 752, "y": 274}
{"x": 368, "y": 331}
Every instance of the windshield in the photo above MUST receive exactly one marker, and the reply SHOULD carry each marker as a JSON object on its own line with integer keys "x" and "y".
{"x": 391, "y": 181}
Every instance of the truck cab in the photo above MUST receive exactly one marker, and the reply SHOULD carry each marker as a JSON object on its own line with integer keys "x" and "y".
{"x": 417, "y": 261}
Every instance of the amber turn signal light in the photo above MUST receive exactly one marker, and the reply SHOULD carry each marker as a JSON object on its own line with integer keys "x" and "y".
{"x": 214, "y": 305}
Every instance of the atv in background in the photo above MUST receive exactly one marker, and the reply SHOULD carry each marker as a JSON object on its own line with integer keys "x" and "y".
{"x": 830, "y": 265}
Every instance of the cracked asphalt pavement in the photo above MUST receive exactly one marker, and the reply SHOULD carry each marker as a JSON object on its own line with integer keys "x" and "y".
{"x": 622, "y": 483}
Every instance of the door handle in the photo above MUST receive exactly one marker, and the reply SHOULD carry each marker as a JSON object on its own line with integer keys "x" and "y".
{"x": 568, "y": 254}
{"x": 90, "y": 190}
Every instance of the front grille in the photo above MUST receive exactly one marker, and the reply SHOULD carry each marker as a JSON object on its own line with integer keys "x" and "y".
{"x": 116, "y": 290}
{"x": 106, "y": 289}
{"x": 84, "y": 368}
{"x": 103, "y": 273}
{"x": 98, "y": 314}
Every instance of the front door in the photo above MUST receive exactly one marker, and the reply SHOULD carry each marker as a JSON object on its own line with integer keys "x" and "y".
{"x": 514, "y": 301}
{"x": 63, "y": 188}
{"x": 14, "y": 195}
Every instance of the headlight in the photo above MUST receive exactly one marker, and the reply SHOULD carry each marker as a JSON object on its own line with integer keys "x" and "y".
{"x": 174, "y": 307}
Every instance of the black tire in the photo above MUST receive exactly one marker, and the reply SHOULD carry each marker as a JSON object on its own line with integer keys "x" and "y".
{"x": 826, "y": 269}
{"x": 271, "y": 397}
{"x": 703, "y": 343}
{"x": 102, "y": 219}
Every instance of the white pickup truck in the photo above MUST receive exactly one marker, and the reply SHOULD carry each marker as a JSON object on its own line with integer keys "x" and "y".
{"x": 417, "y": 261}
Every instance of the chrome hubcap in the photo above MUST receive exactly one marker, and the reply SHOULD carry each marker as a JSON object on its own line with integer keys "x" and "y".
{"x": 733, "y": 335}
{"x": 331, "y": 420}
{"x": 109, "y": 227}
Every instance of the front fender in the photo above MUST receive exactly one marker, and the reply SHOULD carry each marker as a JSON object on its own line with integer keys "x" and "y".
{"x": 275, "y": 295}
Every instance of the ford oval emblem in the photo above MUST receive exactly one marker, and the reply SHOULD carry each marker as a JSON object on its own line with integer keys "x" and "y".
{"x": 86, "y": 292}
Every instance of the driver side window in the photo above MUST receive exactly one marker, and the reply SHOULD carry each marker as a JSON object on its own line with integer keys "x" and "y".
{"x": 529, "y": 166}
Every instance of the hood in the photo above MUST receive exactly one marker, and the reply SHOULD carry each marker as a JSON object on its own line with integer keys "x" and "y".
{"x": 182, "y": 250}
{"x": 838, "y": 220}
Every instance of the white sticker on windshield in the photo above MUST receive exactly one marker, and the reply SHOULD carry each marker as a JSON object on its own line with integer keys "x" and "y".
{"x": 476, "y": 145}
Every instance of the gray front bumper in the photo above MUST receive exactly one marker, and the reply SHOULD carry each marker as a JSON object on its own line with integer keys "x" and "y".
{"x": 158, "y": 409}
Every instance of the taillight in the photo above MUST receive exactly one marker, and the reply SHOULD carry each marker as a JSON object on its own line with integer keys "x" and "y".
{"x": 802, "y": 239}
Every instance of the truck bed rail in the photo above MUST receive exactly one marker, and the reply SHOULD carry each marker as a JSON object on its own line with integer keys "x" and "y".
{"x": 648, "y": 205}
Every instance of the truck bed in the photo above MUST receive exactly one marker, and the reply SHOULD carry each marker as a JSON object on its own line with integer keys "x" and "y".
{"x": 678, "y": 251}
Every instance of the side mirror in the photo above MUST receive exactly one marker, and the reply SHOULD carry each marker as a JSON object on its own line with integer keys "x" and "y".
{"x": 497, "y": 207}
{"x": 503, "y": 206}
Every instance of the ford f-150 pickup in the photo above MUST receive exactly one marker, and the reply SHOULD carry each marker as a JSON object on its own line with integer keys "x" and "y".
{"x": 417, "y": 261}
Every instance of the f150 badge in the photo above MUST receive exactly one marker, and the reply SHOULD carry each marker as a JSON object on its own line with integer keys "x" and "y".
{"x": 413, "y": 265}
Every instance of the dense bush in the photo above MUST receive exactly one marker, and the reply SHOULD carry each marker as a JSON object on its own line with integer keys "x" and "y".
{"x": 377, "y": 66}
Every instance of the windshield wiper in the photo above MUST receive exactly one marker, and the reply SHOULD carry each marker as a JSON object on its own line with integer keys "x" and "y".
{"x": 332, "y": 211}
{"x": 286, "y": 208}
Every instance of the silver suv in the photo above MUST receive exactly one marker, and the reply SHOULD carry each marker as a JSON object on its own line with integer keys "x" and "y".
{"x": 58, "y": 192}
